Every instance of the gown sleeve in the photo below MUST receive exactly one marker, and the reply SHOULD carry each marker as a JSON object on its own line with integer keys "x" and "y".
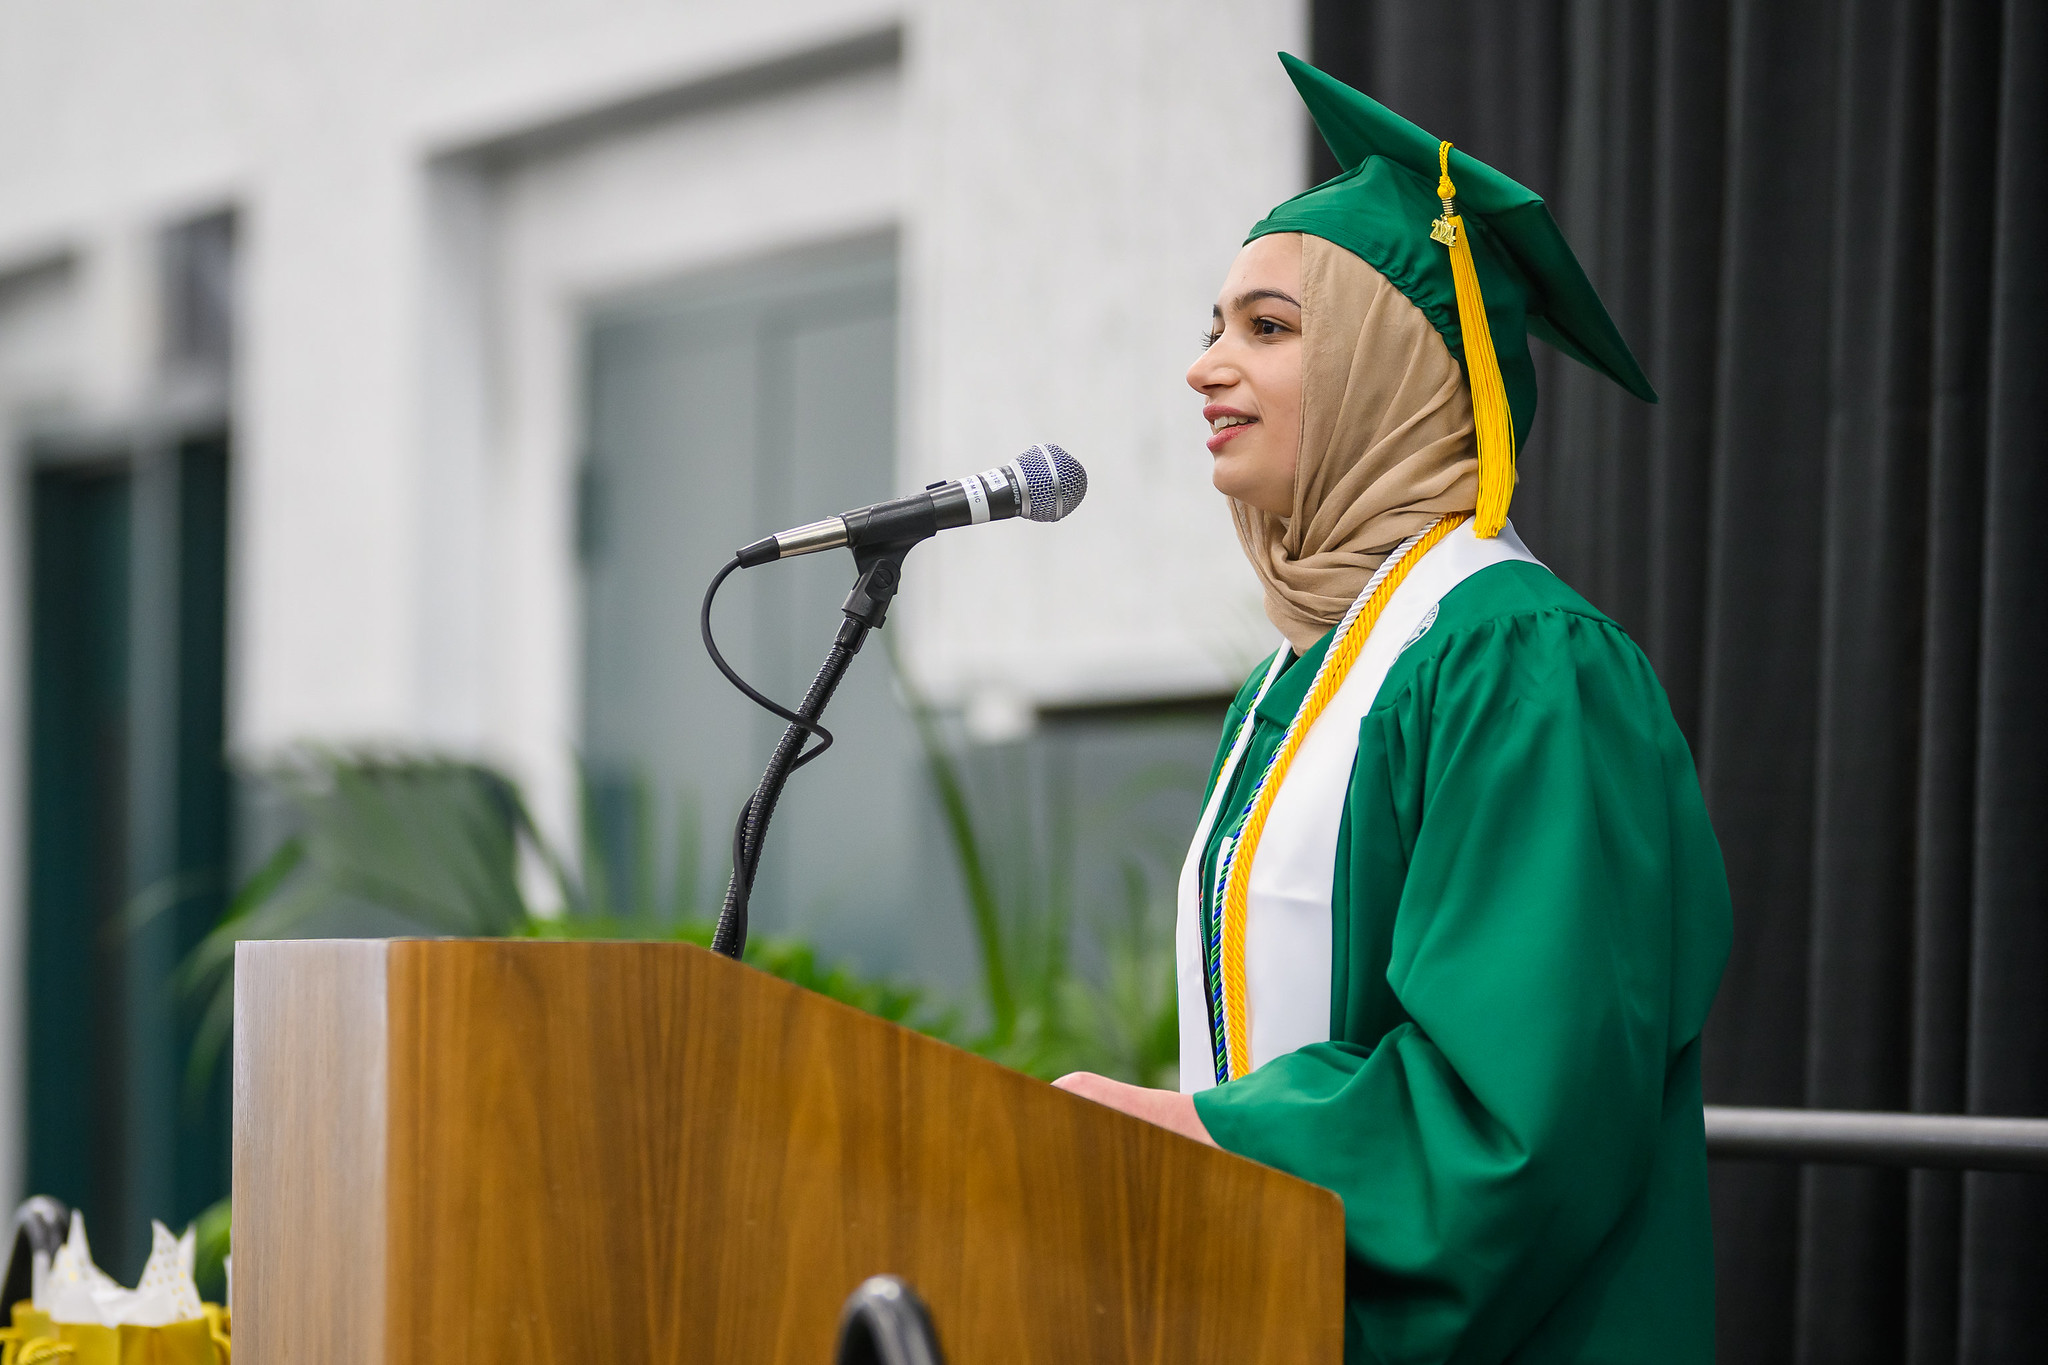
{"x": 1500, "y": 1121}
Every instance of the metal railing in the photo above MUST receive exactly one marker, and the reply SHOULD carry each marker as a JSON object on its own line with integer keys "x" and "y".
{"x": 1950, "y": 1141}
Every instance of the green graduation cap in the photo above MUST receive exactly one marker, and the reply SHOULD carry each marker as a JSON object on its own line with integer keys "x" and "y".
{"x": 1479, "y": 254}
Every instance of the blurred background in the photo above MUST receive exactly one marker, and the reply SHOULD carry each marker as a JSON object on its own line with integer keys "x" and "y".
{"x": 382, "y": 383}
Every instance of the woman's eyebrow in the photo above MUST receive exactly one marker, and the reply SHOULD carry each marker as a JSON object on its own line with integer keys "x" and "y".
{"x": 1251, "y": 296}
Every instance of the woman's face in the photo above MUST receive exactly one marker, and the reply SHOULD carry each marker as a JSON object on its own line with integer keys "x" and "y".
{"x": 1249, "y": 373}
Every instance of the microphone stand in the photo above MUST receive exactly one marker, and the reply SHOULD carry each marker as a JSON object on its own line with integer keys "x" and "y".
{"x": 881, "y": 572}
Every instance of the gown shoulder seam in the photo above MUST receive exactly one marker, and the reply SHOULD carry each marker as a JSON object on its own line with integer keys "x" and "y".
{"x": 1493, "y": 622}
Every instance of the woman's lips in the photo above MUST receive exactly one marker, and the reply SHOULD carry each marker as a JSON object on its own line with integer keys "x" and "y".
{"x": 1217, "y": 439}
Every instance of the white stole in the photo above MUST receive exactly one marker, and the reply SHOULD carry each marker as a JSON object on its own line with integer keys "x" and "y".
{"x": 1287, "y": 931}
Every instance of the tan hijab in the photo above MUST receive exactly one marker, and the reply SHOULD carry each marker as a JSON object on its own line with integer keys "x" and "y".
{"x": 1386, "y": 444}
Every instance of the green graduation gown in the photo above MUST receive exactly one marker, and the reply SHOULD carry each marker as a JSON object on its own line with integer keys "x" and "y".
{"x": 1529, "y": 921}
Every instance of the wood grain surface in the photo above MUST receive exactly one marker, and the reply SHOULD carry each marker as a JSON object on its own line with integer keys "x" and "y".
{"x": 311, "y": 1078}
{"x": 642, "y": 1152}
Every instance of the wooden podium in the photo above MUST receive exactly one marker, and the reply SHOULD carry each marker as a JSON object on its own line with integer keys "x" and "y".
{"x": 487, "y": 1151}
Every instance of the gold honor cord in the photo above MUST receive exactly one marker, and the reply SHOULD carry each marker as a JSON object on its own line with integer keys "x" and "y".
{"x": 1493, "y": 421}
{"x": 1237, "y": 891}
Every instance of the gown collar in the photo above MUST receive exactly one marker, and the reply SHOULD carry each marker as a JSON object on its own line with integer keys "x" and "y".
{"x": 1283, "y": 698}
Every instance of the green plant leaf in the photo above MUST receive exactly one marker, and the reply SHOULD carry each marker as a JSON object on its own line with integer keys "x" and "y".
{"x": 210, "y": 1234}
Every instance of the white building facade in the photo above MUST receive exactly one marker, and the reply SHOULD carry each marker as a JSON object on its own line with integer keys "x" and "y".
{"x": 434, "y": 204}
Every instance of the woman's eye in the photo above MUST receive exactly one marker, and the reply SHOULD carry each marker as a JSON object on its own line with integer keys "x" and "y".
{"x": 1270, "y": 327}
{"x": 1210, "y": 339}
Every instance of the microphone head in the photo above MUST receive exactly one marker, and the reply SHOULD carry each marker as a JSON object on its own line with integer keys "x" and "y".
{"x": 1054, "y": 482}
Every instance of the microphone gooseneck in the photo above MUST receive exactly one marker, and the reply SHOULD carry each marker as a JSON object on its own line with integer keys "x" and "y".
{"x": 1043, "y": 484}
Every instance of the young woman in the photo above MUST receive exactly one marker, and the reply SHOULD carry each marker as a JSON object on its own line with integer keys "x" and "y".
{"x": 1454, "y": 914}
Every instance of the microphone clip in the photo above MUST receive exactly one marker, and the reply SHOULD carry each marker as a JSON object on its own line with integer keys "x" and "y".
{"x": 881, "y": 573}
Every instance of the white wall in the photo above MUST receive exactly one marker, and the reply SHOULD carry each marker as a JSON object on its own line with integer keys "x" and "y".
{"x": 1070, "y": 178}
{"x": 1083, "y": 175}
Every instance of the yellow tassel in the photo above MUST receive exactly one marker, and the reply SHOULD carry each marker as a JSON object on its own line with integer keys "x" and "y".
{"x": 1492, "y": 419}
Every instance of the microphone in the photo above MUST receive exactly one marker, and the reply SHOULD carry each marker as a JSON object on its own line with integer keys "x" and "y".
{"x": 1043, "y": 484}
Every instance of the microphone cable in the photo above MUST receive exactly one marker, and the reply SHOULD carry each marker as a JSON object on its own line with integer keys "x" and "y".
{"x": 732, "y": 676}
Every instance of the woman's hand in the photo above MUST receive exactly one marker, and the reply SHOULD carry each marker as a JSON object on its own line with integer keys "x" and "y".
{"x": 1169, "y": 1109}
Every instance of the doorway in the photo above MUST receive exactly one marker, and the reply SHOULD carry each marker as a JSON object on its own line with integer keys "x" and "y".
{"x": 720, "y": 408}
{"x": 130, "y": 814}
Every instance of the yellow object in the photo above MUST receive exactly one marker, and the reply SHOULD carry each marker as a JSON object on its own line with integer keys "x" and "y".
{"x": 35, "y": 1340}
{"x": 1237, "y": 891}
{"x": 1493, "y": 420}
{"x": 217, "y": 1328}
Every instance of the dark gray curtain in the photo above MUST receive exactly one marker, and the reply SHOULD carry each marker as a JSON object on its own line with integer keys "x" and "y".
{"x": 1821, "y": 225}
